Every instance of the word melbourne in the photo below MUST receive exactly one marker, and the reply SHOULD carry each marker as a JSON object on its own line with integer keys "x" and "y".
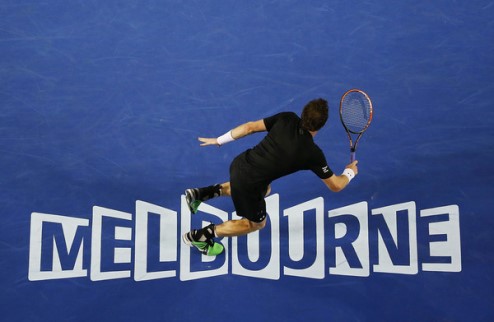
{"x": 305, "y": 242}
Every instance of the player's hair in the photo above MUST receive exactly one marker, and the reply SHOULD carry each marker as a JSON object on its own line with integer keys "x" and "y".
{"x": 315, "y": 114}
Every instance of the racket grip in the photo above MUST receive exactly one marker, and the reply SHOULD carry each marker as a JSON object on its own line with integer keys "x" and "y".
{"x": 352, "y": 156}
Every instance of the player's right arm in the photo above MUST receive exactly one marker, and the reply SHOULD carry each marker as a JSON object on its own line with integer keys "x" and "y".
{"x": 337, "y": 183}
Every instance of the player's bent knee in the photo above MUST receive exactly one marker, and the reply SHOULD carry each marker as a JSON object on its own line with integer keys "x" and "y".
{"x": 257, "y": 225}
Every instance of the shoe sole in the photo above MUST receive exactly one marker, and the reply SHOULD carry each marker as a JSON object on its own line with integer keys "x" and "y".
{"x": 186, "y": 240}
{"x": 214, "y": 250}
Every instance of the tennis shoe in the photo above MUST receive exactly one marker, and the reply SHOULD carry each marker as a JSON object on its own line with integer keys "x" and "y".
{"x": 207, "y": 247}
{"x": 191, "y": 196}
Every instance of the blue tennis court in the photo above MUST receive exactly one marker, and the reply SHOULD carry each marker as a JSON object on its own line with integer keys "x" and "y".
{"x": 102, "y": 103}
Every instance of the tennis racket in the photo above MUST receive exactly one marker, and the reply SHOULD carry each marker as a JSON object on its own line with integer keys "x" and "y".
{"x": 355, "y": 115}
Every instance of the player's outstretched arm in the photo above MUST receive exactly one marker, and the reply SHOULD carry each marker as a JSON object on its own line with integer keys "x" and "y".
{"x": 337, "y": 183}
{"x": 208, "y": 141}
{"x": 237, "y": 133}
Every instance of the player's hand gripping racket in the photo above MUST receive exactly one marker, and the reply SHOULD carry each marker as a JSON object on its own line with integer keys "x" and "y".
{"x": 355, "y": 115}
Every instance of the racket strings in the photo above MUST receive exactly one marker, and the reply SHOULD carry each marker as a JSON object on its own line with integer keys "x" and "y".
{"x": 356, "y": 112}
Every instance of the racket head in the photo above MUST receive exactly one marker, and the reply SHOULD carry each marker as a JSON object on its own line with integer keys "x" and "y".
{"x": 355, "y": 111}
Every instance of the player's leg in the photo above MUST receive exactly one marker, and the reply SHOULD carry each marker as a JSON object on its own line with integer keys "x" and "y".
{"x": 238, "y": 227}
{"x": 195, "y": 196}
{"x": 248, "y": 199}
{"x": 203, "y": 240}
{"x": 249, "y": 204}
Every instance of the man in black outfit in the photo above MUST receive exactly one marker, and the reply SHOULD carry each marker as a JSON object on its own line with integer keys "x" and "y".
{"x": 288, "y": 147}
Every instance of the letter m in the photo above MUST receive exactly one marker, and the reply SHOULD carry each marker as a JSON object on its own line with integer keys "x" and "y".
{"x": 56, "y": 247}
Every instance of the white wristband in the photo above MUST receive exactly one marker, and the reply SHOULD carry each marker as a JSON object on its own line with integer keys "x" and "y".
{"x": 225, "y": 138}
{"x": 349, "y": 174}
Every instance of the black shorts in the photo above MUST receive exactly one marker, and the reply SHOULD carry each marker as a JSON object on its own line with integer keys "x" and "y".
{"x": 247, "y": 194}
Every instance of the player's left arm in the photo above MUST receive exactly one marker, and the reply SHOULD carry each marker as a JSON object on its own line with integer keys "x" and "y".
{"x": 248, "y": 128}
{"x": 237, "y": 133}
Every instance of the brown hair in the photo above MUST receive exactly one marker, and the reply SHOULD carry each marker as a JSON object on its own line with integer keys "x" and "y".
{"x": 315, "y": 114}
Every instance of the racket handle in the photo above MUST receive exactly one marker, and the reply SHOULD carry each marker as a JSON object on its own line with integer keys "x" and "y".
{"x": 352, "y": 156}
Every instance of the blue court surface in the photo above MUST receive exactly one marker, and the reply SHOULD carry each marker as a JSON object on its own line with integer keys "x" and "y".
{"x": 101, "y": 106}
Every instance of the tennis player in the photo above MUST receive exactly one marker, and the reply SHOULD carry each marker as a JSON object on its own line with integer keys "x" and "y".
{"x": 288, "y": 147}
